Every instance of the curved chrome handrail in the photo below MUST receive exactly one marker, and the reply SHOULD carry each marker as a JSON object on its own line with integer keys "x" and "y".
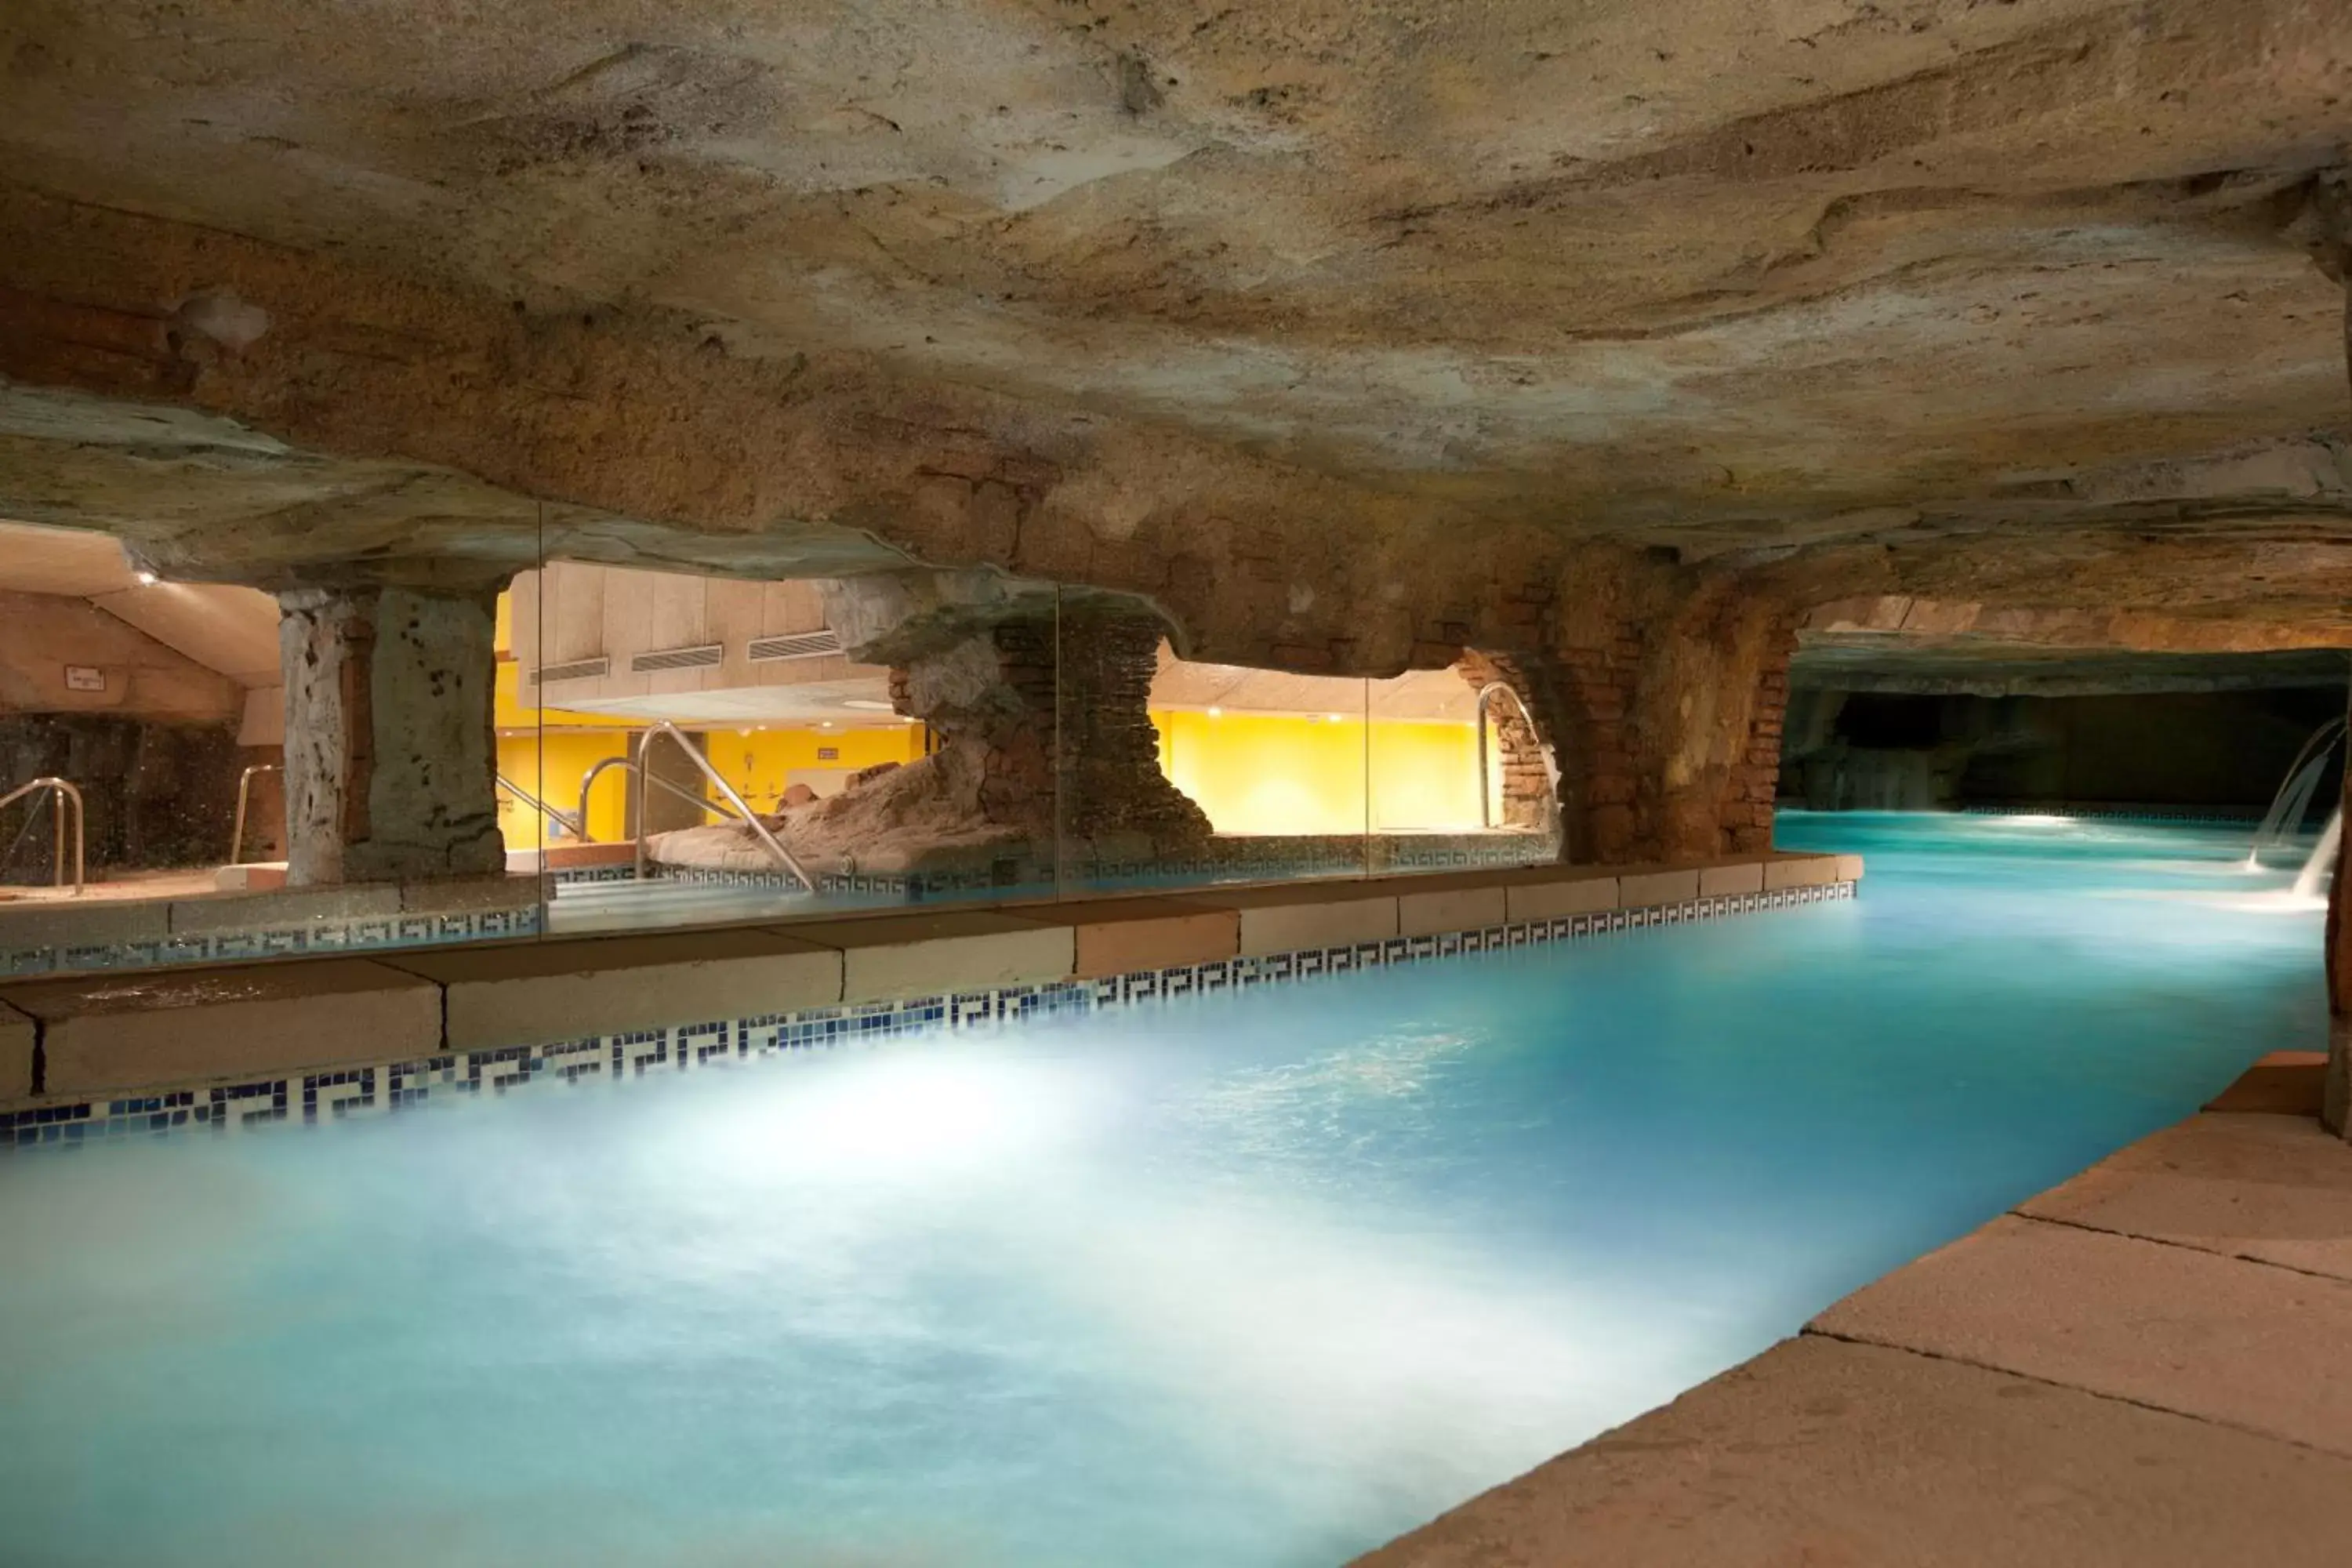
{"x": 630, "y": 768}
{"x": 550, "y": 812}
{"x": 1486, "y": 800}
{"x": 244, "y": 788}
{"x": 60, "y": 792}
{"x": 588, "y": 782}
{"x": 661, "y": 726}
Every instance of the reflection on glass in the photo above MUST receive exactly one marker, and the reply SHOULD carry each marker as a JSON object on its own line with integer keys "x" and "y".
{"x": 673, "y": 748}
{"x": 1304, "y": 776}
{"x": 152, "y": 705}
{"x": 697, "y": 745}
{"x": 1458, "y": 778}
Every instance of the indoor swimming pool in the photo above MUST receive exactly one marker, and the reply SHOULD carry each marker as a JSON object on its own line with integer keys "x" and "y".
{"x": 1249, "y": 1279}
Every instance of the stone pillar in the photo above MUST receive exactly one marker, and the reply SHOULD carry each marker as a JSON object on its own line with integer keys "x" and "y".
{"x": 1112, "y": 782}
{"x": 390, "y": 756}
{"x": 1669, "y": 699}
{"x": 988, "y": 698}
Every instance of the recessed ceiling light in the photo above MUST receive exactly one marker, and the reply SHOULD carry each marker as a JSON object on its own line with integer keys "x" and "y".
{"x": 1217, "y": 712}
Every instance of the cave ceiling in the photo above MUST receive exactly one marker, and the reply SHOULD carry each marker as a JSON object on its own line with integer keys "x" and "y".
{"x": 1727, "y": 275}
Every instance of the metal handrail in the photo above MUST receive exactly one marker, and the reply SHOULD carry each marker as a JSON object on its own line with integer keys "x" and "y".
{"x": 630, "y": 768}
{"x": 550, "y": 812}
{"x": 660, "y": 727}
{"x": 588, "y": 782}
{"x": 1485, "y": 798}
{"x": 60, "y": 792}
{"x": 244, "y": 787}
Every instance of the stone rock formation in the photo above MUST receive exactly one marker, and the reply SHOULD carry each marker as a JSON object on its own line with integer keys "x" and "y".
{"x": 1043, "y": 748}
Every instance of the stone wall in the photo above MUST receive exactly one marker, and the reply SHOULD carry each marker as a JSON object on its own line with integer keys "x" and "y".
{"x": 1044, "y": 744}
{"x": 2337, "y": 1107}
{"x": 1530, "y": 788}
{"x": 1661, "y": 691}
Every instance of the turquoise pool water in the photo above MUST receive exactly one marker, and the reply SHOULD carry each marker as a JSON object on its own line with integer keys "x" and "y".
{"x": 1249, "y": 1280}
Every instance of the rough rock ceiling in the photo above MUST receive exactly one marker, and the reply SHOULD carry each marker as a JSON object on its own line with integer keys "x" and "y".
{"x": 1726, "y": 273}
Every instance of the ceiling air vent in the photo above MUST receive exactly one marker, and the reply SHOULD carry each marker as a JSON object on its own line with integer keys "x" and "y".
{"x": 796, "y": 645}
{"x": 578, "y": 669}
{"x": 678, "y": 659}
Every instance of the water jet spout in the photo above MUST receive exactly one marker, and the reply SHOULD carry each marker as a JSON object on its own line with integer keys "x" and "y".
{"x": 2312, "y": 881}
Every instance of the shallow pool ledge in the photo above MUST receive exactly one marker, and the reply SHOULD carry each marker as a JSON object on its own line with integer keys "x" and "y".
{"x": 307, "y": 1039}
{"x": 2142, "y": 1366}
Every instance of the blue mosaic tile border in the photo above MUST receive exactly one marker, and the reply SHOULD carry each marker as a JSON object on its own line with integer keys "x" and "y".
{"x": 380, "y": 1087}
{"x": 565, "y": 876}
{"x": 366, "y": 934}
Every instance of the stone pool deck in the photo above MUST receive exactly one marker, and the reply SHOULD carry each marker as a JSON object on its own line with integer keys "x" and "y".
{"x": 2149, "y": 1366}
{"x": 212, "y": 1043}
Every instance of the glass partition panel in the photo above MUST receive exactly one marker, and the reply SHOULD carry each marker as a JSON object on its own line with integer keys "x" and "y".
{"x": 136, "y": 715}
{"x": 717, "y": 755}
{"x": 1182, "y": 773}
{"x": 538, "y": 826}
{"x": 1457, "y": 778}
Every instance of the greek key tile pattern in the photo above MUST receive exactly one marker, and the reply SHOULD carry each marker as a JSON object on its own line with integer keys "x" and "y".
{"x": 377, "y": 1088}
{"x": 369, "y": 934}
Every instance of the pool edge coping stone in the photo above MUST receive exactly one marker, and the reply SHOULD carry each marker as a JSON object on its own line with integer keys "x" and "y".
{"x": 1520, "y": 1520}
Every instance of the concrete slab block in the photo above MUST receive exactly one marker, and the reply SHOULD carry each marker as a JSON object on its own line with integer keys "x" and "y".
{"x": 1849, "y": 867}
{"x": 1647, "y": 890}
{"x": 1549, "y": 895}
{"x": 1858, "y": 1457}
{"x": 281, "y": 908}
{"x": 119, "y": 1033}
{"x": 93, "y": 923}
{"x": 1308, "y": 915}
{"x": 2249, "y": 1345}
{"x": 893, "y": 956}
{"x": 529, "y": 993}
{"x": 1125, "y": 936}
{"x": 2277, "y": 1188}
{"x": 19, "y": 1035}
{"x": 468, "y": 895}
{"x": 1431, "y": 911}
{"x": 1785, "y": 871}
{"x": 252, "y": 876}
{"x": 1731, "y": 880}
{"x": 2282, "y": 1083}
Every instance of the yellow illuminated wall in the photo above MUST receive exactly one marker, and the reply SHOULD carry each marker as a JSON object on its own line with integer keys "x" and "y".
{"x": 1269, "y": 773}
{"x": 550, "y": 766}
{"x": 548, "y": 751}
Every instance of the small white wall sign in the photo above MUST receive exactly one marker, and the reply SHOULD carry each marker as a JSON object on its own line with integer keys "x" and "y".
{"x": 84, "y": 678}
